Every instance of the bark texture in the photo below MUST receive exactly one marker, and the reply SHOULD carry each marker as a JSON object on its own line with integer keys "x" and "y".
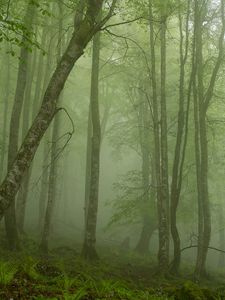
{"x": 89, "y": 251}
{"x": 10, "y": 214}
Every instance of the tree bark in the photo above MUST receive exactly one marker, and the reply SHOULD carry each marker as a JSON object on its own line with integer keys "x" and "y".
{"x": 10, "y": 214}
{"x": 180, "y": 147}
{"x": 23, "y": 192}
{"x": 52, "y": 187}
{"x": 6, "y": 108}
{"x": 144, "y": 141}
{"x": 202, "y": 99}
{"x": 89, "y": 251}
{"x": 163, "y": 205}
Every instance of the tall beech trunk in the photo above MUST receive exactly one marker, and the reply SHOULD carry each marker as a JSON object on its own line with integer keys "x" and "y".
{"x": 163, "y": 205}
{"x": 30, "y": 109}
{"x": 52, "y": 190}
{"x": 88, "y": 165}
{"x": 144, "y": 141}
{"x": 181, "y": 142}
{"x": 89, "y": 251}
{"x": 202, "y": 99}
{"x": 80, "y": 38}
{"x": 162, "y": 222}
{"x": 10, "y": 215}
{"x": 23, "y": 192}
{"x": 104, "y": 121}
{"x": 6, "y": 97}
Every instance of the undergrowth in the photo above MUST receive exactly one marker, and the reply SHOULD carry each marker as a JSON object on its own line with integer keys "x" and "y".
{"x": 68, "y": 277}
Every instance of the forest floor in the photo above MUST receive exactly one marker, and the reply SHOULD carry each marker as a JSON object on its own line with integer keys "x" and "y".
{"x": 64, "y": 275}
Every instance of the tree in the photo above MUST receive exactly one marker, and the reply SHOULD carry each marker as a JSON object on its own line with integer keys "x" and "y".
{"x": 10, "y": 215}
{"x": 202, "y": 98}
{"x": 88, "y": 250}
{"x": 181, "y": 140}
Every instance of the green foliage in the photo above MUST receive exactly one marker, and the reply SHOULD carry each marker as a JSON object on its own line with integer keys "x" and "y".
{"x": 7, "y": 272}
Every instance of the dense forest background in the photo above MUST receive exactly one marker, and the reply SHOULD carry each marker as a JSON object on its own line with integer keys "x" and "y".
{"x": 112, "y": 119}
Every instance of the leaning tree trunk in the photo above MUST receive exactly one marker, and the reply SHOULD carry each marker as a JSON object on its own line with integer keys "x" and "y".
{"x": 82, "y": 35}
{"x": 89, "y": 251}
{"x": 10, "y": 215}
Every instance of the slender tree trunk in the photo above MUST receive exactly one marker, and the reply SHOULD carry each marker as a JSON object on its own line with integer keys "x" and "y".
{"x": 5, "y": 110}
{"x": 51, "y": 191}
{"x": 201, "y": 103}
{"x": 180, "y": 147}
{"x": 163, "y": 206}
{"x": 10, "y": 215}
{"x": 52, "y": 187}
{"x": 89, "y": 251}
{"x": 27, "y": 107}
{"x": 144, "y": 140}
{"x": 88, "y": 165}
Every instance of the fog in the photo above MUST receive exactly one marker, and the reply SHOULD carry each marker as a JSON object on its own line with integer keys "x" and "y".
{"x": 112, "y": 151}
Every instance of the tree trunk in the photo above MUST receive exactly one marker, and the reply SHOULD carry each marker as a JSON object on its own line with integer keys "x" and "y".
{"x": 5, "y": 110}
{"x": 180, "y": 147}
{"x": 27, "y": 107}
{"x": 163, "y": 205}
{"x": 52, "y": 187}
{"x": 10, "y": 215}
{"x": 201, "y": 103}
{"x": 51, "y": 190}
{"x": 89, "y": 251}
{"x": 144, "y": 141}
{"x": 88, "y": 165}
